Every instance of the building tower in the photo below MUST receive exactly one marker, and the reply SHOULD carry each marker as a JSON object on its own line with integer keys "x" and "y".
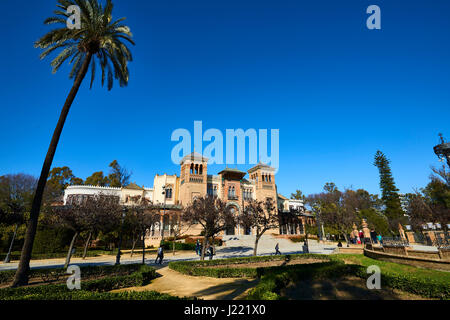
{"x": 263, "y": 176}
{"x": 193, "y": 177}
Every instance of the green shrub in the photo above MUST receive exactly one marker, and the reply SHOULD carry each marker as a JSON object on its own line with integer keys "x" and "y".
{"x": 86, "y": 295}
{"x": 217, "y": 241}
{"x": 298, "y": 238}
{"x": 200, "y": 268}
{"x": 51, "y": 240}
{"x": 92, "y": 289}
{"x": 168, "y": 245}
{"x": 86, "y": 271}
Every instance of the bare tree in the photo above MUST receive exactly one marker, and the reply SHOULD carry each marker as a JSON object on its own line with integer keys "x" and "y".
{"x": 212, "y": 214}
{"x": 142, "y": 217}
{"x": 441, "y": 173}
{"x": 179, "y": 226}
{"x": 261, "y": 216}
{"x": 336, "y": 209}
{"x": 88, "y": 213}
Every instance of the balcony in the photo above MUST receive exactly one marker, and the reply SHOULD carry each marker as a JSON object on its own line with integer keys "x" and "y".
{"x": 232, "y": 197}
{"x": 196, "y": 178}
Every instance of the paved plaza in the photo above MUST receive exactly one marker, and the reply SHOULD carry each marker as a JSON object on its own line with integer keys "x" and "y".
{"x": 234, "y": 246}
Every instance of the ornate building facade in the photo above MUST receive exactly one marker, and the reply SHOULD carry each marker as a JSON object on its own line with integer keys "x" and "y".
{"x": 171, "y": 193}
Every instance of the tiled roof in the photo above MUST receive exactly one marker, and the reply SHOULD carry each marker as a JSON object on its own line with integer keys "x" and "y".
{"x": 133, "y": 186}
{"x": 194, "y": 156}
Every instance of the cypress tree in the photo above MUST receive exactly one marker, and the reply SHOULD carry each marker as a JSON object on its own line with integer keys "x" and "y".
{"x": 389, "y": 193}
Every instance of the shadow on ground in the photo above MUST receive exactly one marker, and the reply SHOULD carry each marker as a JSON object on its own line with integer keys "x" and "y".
{"x": 347, "y": 288}
{"x": 228, "y": 291}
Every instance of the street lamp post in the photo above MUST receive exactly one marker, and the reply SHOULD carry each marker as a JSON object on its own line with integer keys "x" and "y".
{"x": 319, "y": 225}
{"x": 164, "y": 213}
{"x": 442, "y": 150}
{"x": 8, "y": 256}
{"x": 124, "y": 210}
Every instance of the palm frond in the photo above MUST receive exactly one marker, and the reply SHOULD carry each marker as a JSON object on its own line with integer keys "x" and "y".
{"x": 99, "y": 35}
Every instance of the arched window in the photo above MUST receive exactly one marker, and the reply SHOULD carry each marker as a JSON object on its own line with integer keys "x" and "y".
{"x": 169, "y": 193}
{"x": 270, "y": 177}
{"x": 201, "y": 169}
{"x": 196, "y": 169}
{"x": 192, "y": 168}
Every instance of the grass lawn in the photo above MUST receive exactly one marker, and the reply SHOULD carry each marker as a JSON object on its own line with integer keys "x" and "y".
{"x": 395, "y": 268}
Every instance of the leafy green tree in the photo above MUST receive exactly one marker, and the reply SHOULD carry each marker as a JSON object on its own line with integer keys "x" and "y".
{"x": 330, "y": 187}
{"x": 298, "y": 195}
{"x": 16, "y": 194}
{"x": 432, "y": 203}
{"x": 100, "y": 39}
{"x": 97, "y": 179}
{"x": 336, "y": 209}
{"x": 119, "y": 176}
{"x": 389, "y": 193}
{"x": 58, "y": 180}
{"x": 436, "y": 200}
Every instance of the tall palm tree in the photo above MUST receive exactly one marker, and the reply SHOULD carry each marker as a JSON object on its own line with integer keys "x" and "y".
{"x": 99, "y": 39}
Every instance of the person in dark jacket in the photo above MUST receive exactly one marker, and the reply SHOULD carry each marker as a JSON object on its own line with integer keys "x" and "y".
{"x": 210, "y": 252}
{"x": 160, "y": 255}
{"x": 198, "y": 249}
{"x": 277, "y": 251}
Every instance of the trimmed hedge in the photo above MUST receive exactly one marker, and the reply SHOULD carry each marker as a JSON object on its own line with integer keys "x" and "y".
{"x": 168, "y": 245}
{"x": 15, "y": 255}
{"x": 217, "y": 241}
{"x": 86, "y": 295}
{"x": 89, "y": 289}
{"x": 86, "y": 271}
{"x": 200, "y": 268}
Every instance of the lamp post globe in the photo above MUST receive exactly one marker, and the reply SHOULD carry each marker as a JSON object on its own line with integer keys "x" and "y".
{"x": 164, "y": 212}
{"x": 442, "y": 150}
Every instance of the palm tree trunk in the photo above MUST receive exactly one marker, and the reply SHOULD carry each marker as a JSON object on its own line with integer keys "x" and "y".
{"x": 8, "y": 255}
{"x": 86, "y": 245}
{"x": 22, "y": 273}
{"x": 69, "y": 253}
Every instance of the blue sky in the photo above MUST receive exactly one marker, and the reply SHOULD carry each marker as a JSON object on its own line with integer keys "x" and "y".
{"x": 337, "y": 91}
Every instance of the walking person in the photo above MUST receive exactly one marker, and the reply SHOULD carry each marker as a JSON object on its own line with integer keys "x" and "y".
{"x": 160, "y": 255}
{"x": 198, "y": 249}
{"x": 210, "y": 252}
{"x": 373, "y": 236}
{"x": 380, "y": 239}
{"x": 277, "y": 251}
